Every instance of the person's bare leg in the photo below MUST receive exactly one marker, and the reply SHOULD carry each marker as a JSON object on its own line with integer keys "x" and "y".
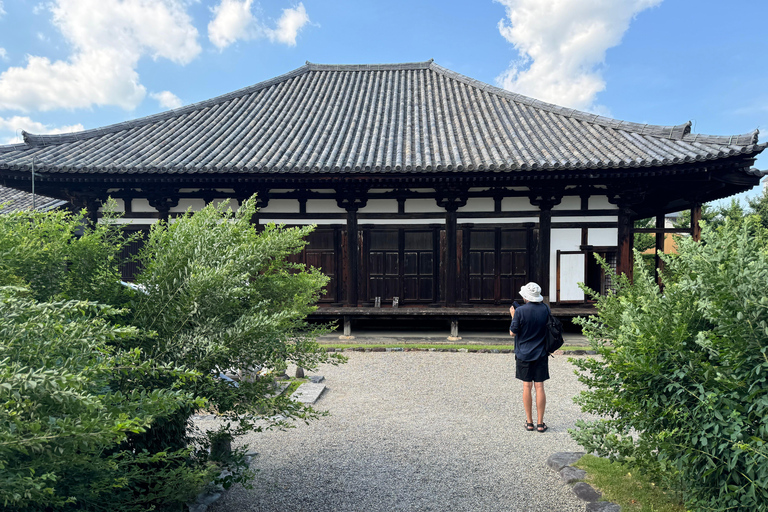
{"x": 528, "y": 401}
{"x": 541, "y": 401}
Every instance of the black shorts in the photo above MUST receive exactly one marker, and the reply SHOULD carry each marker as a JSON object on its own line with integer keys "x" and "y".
{"x": 532, "y": 371}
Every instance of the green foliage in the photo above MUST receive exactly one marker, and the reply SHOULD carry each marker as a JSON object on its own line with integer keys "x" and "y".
{"x": 67, "y": 394}
{"x": 58, "y": 254}
{"x": 99, "y": 382}
{"x": 645, "y": 241}
{"x": 682, "y": 382}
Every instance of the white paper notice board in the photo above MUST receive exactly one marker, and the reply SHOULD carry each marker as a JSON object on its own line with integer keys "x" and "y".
{"x": 570, "y": 272}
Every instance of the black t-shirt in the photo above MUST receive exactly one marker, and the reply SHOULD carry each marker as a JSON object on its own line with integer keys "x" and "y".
{"x": 529, "y": 326}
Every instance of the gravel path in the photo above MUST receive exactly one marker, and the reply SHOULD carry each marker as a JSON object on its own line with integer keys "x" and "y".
{"x": 417, "y": 431}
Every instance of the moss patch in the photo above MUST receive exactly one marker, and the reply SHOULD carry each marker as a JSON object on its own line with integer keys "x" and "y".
{"x": 631, "y": 490}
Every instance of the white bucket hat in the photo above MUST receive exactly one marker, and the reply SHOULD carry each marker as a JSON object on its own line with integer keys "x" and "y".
{"x": 531, "y": 292}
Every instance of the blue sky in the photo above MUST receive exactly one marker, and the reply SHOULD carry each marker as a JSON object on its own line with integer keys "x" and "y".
{"x": 76, "y": 64}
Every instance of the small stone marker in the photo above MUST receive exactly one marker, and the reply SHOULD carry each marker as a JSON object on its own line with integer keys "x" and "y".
{"x": 585, "y": 492}
{"x": 308, "y": 393}
{"x": 559, "y": 460}
{"x": 316, "y": 379}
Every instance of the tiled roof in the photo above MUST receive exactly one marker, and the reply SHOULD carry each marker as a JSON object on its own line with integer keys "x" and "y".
{"x": 12, "y": 200}
{"x": 416, "y": 117}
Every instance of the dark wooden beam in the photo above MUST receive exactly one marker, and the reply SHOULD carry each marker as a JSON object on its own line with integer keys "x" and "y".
{"x": 352, "y": 198}
{"x": 545, "y": 199}
{"x": 451, "y": 199}
{"x": 695, "y": 220}
{"x": 660, "y": 239}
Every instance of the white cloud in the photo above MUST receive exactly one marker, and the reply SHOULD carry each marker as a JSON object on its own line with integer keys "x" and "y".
{"x": 2, "y": 11}
{"x": 3, "y": 54}
{"x": 288, "y": 25}
{"x": 167, "y": 99}
{"x": 18, "y": 123}
{"x": 233, "y": 20}
{"x": 562, "y": 43}
{"x": 108, "y": 37}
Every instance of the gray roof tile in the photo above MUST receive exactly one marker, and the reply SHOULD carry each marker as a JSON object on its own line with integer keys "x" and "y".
{"x": 412, "y": 117}
{"x": 12, "y": 200}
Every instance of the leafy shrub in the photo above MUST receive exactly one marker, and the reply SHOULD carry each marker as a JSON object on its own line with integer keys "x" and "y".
{"x": 682, "y": 379}
{"x": 67, "y": 395}
{"x": 98, "y": 398}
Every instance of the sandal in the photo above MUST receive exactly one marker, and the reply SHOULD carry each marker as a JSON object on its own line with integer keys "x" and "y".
{"x": 529, "y": 427}
{"x": 541, "y": 427}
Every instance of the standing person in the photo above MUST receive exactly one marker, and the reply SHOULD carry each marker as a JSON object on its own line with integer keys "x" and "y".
{"x": 529, "y": 323}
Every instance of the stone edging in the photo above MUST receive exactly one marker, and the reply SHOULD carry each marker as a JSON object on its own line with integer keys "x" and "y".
{"x": 561, "y": 463}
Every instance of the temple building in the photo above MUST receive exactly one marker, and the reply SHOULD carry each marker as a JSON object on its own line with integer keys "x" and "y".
{"x": 428, "y": 188}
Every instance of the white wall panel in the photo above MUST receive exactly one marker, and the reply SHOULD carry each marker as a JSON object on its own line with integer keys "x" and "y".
{"x": 568, "y": 203}
{"x": 477, "y": 204}
{"x": 195, "y": 204}
{"x": 602, "y": 237}
{"x": 141, "y": 205}
{"x": 498, "y": 220}
{"x": 562, "y": 240}
{"x": 282, "y": 206}
{"x": 323, "y": 206}
{"x": 422, "y": 206}
{"x": 302, "y": 222}
{"x": 380, "y": 206}
{"x": 600, "y": 203}
{"x": 517, "y": 204}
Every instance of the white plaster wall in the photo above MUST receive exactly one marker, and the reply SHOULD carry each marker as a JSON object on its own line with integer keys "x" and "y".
{"x": 568, "y": 203}
{"x": 119, "y": 205}
{"x": 517, "y": 204}
{"x": 282, "y": 206}
{"x": 323, "y": 206}
{"x": 477, "y": 204}
{"x": 498, "y": 220}
{"x": 380, "y": 206}
{"x": 584, "y": 220}
{"x": 141, "y": 205}
{"x": 602, "y": 237}
{"x": 401, "y": 222}
{"x": 303, "y": 222}
{"x": 562, "y": 240}
{"x": 422, "y": 206}
{"x": 600, "y": 203}
{"x": 195, "y": 204}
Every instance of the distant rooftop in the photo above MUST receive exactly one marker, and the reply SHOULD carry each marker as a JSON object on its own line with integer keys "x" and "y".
{"x": 12, "y": 200}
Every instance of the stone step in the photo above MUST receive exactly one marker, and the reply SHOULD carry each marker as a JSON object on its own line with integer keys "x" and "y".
{"x": 308, "y": 393}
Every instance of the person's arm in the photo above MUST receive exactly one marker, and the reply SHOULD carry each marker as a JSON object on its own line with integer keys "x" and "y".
{"x": 513, "y": 325}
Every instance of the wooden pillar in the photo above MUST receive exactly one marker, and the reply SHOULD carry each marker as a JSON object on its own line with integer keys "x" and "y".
{"x": 352, "y": 199}
{"x": 545, "y": 199}
{"x": 626, "y": 198}
{"x": 660, "y": 240}
{"x": 695, "y": 219}
{"x": 625, "y": 243}
{"x": 353, "y": 257}
{"x": 451, "y": 266}
{"x": 451, "y": 199}
{"x": 545, "y": 245}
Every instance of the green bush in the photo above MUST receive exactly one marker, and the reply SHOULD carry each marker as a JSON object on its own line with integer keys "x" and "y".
{"x": 66, "y": 395}
{"x": 681, "y": 384}
{"x": 98, "y": 398}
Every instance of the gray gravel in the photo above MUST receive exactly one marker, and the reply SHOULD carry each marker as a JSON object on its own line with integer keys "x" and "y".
{"x": 417, "y": 431}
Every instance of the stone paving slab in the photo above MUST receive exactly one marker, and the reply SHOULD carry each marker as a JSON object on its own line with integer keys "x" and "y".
{"x": 308, "y": 393}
